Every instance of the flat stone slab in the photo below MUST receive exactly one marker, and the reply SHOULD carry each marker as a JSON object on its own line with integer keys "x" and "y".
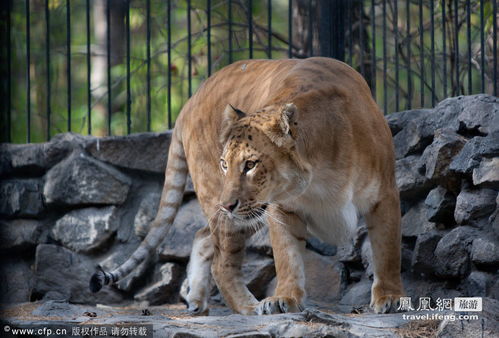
{"x": 174, "y": 321}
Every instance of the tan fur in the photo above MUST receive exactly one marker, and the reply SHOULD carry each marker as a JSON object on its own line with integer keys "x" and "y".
{"x": 323, "y": 156}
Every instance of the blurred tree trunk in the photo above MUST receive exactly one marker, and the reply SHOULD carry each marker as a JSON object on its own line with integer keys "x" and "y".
{"x": 117, "y": 47}
{"x": 329, "y": 34}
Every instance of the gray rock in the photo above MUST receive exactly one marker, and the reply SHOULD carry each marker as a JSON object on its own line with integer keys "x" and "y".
{"x": 474, "y": 204}
{"x": 473, "y": 151}
{"x": 476, "y": 284}
{"x": 487, "y": 173}
{"x": 423, "y": 259}
{"x": 54, "y": 308}
{"x": 80, "y": 180}
{"x": 144, "y": 151}
{"x": 36, "y": 158}
{"x": 21, "y": 234}
{"x": 398, "y": 120}
{"x": 16, "y": 280}
{"x": 166, "y": 287}
{"x": 21, "y": 198}
{"x": 173, "y": 321}
{"x": 146, "y": 213}
{"x": 410, "y": 140}
{"x": 325, "y": 277}
{"x": 61, "y": 274}
{"x": 479, "y": 113}
{"x": 258, "y": 271}
{"x": 358, "y": 294}
{"x": 5, "y": 167}
{"x": 366, "y": 254}
{"x": 85, "y": 230}
{"x": 444, "y": 115}
{"x": 177, "y": 245}
{"x": 410, "y": 182}
{"x": 440, "y": 205}
{"x": 453, "y": 253}
{"x": 439, "y": 154}
{"x": 321, "y": 247}
{"x": 486, "y": 326}
{"x": 415, "y": 221}
{"x": 27, "y": 158}
{"x": 485, "y": 251}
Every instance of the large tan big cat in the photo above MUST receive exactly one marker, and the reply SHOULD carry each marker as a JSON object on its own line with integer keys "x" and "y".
{"x": 297, "y": 144}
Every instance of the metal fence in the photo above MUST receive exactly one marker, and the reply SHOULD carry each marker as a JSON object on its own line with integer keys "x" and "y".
{"x": 112, "y": 67}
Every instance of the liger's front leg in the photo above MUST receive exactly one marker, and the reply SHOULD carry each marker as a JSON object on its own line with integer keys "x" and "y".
{"x": 287, "y": 236}
{"x": 229, "y": 245}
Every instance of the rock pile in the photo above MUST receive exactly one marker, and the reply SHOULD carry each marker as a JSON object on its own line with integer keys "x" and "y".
{"x": 75, "y": 201}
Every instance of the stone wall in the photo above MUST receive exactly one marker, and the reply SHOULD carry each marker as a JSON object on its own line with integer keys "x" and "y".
{"x": 76, "y": 201}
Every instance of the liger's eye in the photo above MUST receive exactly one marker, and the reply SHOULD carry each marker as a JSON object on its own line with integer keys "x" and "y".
{"x": 223, "y": 164}
{"x": 249, "y": 165}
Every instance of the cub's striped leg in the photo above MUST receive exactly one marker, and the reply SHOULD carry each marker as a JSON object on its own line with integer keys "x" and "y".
{"x": 287, "y": 235}
{"x": 229, "y": 244}
{"x": 199, "y": 273}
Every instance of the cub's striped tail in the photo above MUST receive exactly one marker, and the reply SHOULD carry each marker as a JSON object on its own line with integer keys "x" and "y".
{"x": 171, "y": 198}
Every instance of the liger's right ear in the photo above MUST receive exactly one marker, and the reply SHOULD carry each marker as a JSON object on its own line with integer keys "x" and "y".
{"x": 230, "y": 116}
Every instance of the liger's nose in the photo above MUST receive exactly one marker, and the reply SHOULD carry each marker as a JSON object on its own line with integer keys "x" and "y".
{"x": 230, "y": 207}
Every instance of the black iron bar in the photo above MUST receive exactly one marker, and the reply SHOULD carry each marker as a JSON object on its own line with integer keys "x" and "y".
{"x": 408, "y": 64}
{"x": 269, "y": 27}
{"x": 494, "y": 44}
{"x": 468, "y": 37}
{"x": 229, "y": 9}
{"x": 208, "y": 33}
{"x": 310, "y": 29}
{"x": 189, "y": 48}
{"x": 421, "y": 55}
{"x": 47, "y": 59}
{"x": 444, "y": 52}
{"x": 108, "y": 55}
{"x": 482, "y": 46}
{"x": 361, "y": 37}
{"x": 396, "y": 30}
{"x": 373, "y": 52}
{"x": 250, "y": 28}
{"x": 89, "y": 74}
{"x": 128, "y": 87}
{"x": 432, "y": 22}
{"x": 350, "y": 30}
{"x": 9, "y": 76}
{"x": 385, "y": 88}
{"x": 68, "y": 59}
{"x": 28, "y": 74}
{"x": 456, "y": 45}
{"x": 290, "y": 28}
{"x": 169, "y": 43}
{"x": 148, "y": 61}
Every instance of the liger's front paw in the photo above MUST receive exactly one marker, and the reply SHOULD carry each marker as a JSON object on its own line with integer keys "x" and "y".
{"x": 277, "y": 304}
{"x": 386, "y": 303}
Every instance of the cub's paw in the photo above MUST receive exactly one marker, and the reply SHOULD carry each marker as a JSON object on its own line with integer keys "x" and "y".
{"x": 277, "y": 304}
{"x": 386, "y": 303}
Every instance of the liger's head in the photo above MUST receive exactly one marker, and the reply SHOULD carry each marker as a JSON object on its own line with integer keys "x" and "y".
{"x": 258, "y": 163}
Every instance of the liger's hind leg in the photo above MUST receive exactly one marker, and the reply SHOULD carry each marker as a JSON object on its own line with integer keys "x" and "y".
{"x": 199, "y": 273}
{"x": 383, "y": 223}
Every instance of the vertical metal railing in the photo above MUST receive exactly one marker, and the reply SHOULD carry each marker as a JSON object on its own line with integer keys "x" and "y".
{"x": 84, "y": 79}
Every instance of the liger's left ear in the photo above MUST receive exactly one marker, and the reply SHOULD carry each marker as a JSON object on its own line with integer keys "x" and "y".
{"x": 230, "y": 116}
{"x": 281, "y": 130}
